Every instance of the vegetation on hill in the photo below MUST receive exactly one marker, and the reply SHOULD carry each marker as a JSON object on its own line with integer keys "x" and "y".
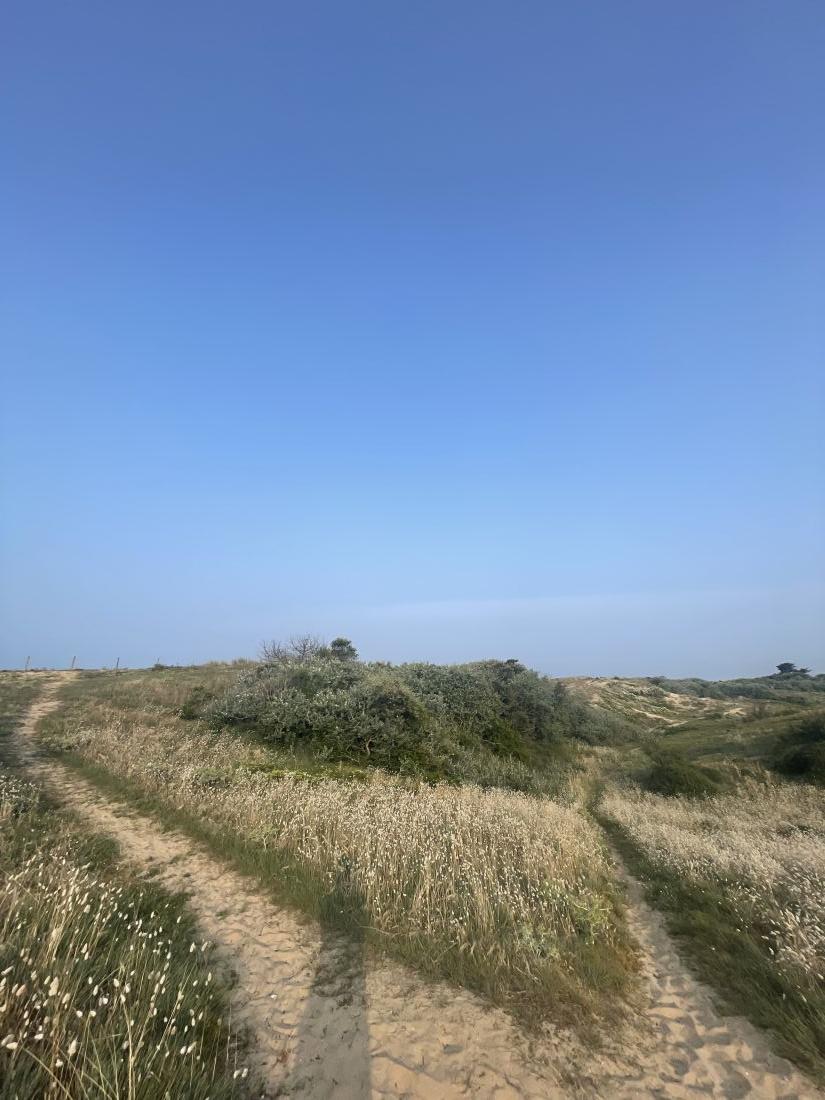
{"x": 672, "y": 773}
{"x": 714, "y": 721}
{"x": 788, "y": 684}
{"x": 460, "y": 722}
{"x": 733, "y": 856}
{"x": 801, "y": 753}
{"x": 642, "y": 706}
{"x": 376, "y": 796}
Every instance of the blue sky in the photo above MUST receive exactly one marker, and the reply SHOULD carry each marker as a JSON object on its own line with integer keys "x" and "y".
{"x": 463, "y": 329}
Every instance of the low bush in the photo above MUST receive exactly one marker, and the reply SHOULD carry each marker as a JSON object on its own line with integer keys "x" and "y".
{"x": 195, "y": 702}
{"x": 418, "y": 719}
{"x": 674, "y": 775}
{"x": 802, "y": 751}
{"x": 794, "y": 687}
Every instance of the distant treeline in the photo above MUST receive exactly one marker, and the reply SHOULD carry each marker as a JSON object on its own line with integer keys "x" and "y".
{"x": 793, "y": 686}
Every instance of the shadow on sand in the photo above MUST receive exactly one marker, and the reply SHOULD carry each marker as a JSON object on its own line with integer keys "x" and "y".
{"x": 330, "y": 1047}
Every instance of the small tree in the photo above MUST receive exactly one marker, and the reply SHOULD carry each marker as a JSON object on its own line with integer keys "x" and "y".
{"x": 785, "y": 667}
{"x": 272, "y": 653}
{"x": 343, "y": 649}
{"x": 302, "y": 647}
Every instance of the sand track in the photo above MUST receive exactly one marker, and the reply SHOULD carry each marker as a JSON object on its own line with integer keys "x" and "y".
{"x": 328, "y": 1021}
{"x": 697, "y": 1052}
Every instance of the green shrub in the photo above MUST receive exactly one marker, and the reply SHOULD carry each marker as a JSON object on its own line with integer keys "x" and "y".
{"x": 795, "y": 687}
{"x": 810, "y": 731}
{"x": 195, "y": 702}
{"x": 802, "y": 751}
{"x": 435, "y": 721}
{"x": 673, "y": 774}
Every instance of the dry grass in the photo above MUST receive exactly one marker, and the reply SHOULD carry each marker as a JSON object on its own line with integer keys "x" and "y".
{"x": 764, "y": 846}
{"x": 507, "y": 892}
{"x": 104, "y": 992}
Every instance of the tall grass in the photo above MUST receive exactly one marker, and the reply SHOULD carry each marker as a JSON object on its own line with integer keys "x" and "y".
{"x": 105, "y": 990}
{"x": 508, "y": 893}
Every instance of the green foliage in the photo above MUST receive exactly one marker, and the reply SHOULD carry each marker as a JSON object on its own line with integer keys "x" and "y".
{"x": 195, "y": 702}
{"x": 433, "y": 721}
{"x": 805, "y": 762}
{"x": 802, "y": 751}
{"x": 796, "y": 685}
{"x": 673, "y": 774}
{"x": 810, "y": 731}
{"x": 343, "y": 649}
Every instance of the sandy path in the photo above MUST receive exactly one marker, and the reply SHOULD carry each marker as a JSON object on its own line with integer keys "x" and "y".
{"x": 328, "y": 1023}
{"x": 695, "y": 1051}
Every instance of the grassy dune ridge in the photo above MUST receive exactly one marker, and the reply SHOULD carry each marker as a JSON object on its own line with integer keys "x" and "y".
{"x": 506, "y": 892}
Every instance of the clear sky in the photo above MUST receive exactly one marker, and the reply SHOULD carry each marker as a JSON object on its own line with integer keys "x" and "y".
{"x": 465, "y": 329}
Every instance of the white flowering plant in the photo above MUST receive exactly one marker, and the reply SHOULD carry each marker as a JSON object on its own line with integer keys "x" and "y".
{"x": 101, "y": 993}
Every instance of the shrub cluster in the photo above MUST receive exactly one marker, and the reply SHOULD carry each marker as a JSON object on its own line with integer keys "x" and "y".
{"x": 802, "y": 754}
{"x": 414, "y": 718}
{"x": 787, "y": 687}
{"x": 672, "y": 774}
